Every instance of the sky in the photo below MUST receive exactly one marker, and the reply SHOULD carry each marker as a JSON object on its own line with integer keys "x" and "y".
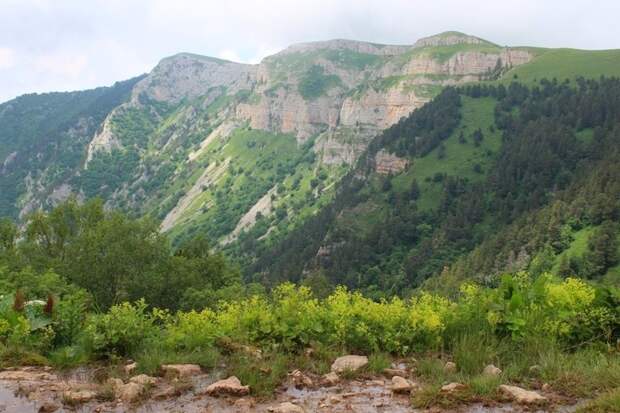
{"x": 60, "y": 45}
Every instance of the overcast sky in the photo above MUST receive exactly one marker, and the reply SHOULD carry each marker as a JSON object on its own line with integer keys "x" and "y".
{"x": 57, "y": 45}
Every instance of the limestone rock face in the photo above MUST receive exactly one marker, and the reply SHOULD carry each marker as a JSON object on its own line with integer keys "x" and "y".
{"x": 188, "y": 76}
{"x": 351, "y": 363}
{"x": 387, "y": 163}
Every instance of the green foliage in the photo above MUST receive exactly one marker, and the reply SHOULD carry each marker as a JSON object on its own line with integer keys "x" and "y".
{"x": 122, "y": 330}
{"x": 315, "y": 82}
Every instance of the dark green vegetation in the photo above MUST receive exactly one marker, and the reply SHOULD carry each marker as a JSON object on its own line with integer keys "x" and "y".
{"x": 501, "y": 179}
{"x": 46, "y": 135}
{"x": 84, "y": 311}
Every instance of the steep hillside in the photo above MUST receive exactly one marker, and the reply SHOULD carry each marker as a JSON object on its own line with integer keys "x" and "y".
{"x": 247, "y": 152}
{"x": 480, "y": 181}
{"x": 43, "y": 140}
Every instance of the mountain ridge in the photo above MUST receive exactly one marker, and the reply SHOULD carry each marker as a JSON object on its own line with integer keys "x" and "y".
{"x": 329, "y": 99}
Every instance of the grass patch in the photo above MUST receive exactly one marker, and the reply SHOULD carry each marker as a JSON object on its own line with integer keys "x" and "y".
{"x": 605, "y": 403}
{"x": 262, "y": 375}
{"x": 378, "y": 362}
{"x": 152, "y": 357}
{"x": 567, "y": 64}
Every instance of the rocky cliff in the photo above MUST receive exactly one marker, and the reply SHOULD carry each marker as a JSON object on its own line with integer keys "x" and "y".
{"x": 190, "y": 130}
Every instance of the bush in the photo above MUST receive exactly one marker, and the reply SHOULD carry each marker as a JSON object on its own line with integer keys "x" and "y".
{"x": 122, "y": 330}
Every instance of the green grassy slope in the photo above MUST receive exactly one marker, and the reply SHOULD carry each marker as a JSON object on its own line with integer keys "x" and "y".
{"x": 460, "y": 158}
{"x": 567, "y": 64}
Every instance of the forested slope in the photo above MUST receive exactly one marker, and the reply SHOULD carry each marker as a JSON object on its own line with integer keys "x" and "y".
{"x": 498, "y": 179}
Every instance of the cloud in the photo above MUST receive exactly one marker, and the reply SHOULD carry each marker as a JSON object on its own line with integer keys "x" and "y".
{"x": 229, "y": 54}
{"x": 65, "y": 65}
{"x": 76, "y": 44}
{"x": 7, "y": 58}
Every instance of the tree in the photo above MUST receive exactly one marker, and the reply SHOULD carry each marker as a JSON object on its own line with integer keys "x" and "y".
{"x": 602, "y": 251}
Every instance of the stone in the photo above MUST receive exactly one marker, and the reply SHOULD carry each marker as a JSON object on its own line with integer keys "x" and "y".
{"x": 545, "y": 387}
{"x": 452, "y": 387}
{"x": 244, "y": 405}
{"x": 130, "y": 368}
{"x": 491, "y": 371}
{"x": 300, "y": 380}
{"x": 165, "y": 392}
{"x": 394, "y": 372}
{"x": 330, "y": 379}
{"x": 130, "y": 392}
{"x": 78, "y": 396}
{"x": 27, "y": 375}
{"x": 401, "y": 385}
{"x": 49, "y": 407}
{"x": 181, "y": 370}
{"x": 349, "y": 363}
{"x": 144, "y": 380}
{"x": 449, "y": 367}
{"x": 231, "y": 386}
{"x": 287, "y": 407}
{"x": 115, "y": 383}
{"x": 521, "y": 395}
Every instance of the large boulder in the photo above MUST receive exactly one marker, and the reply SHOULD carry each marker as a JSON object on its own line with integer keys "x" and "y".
{"x": 349, "y": 363}
{"x": 181, "y": 370}
{"x": 231, "y": 386}
{"x": 521, "y": 395}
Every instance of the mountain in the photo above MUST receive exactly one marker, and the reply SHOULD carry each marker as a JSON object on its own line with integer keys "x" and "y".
{"x": 249, "y": 154}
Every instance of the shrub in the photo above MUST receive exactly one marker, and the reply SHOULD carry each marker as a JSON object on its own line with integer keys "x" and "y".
{"x": 122, "y": 330}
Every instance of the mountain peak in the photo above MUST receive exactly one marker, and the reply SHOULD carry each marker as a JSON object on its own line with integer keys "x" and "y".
{"x": 449, "y": 38}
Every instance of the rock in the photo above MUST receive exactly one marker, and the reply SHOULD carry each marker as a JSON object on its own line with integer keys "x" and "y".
{"x": 521, "y": 395}
{"x": 395, "y": 372}
{"x": 144, "y": 380}
{"x": 130, "y": 392}
{"x": 115, "y": 383}
{"x": 181, "y": 370}
{"x": 27, "y": 375}
{"x": 231, "y": 386}
{"x": 401, "y": 385}
{"x": 449, "y": 367}
{"x": 545, "y": 387}
{"x": 330, "y": 379}
{"x": 491, "y": 371}
{"x": 300, "y": 380}
{"x": 49, "y": 407}
{"x": 78, "y": 396}
{"x": 244, "y": 405}
{"x": 287, "y": 407}
{"x": 452, "y": 387}
{"x": 165, "y": 392}
{"x": 130, "y": 368}
{"x": 350, "y": 363}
